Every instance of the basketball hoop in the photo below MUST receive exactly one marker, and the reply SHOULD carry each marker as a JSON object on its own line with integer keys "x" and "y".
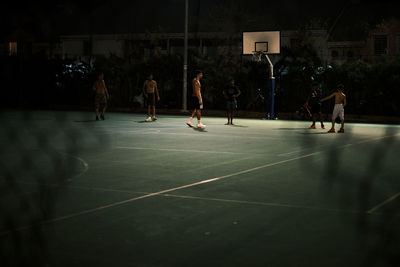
{"x": 260, "y": 45}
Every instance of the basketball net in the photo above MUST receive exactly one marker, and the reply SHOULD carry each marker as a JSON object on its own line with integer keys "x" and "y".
{"x": 257, "y": 56}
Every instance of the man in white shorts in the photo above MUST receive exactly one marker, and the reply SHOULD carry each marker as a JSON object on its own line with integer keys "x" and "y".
{"x": 338, "y": 110}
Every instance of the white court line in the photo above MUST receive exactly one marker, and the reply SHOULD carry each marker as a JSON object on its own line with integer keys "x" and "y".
{"x": 119, "y": 203}
{"x": 291, "y": 153}
{"x": 139, "y": 131}
{"x": 270, "y": 204}
{"x": 84, "y": 163}
{"x": 178, "y": 150}
{"x": 207, "y": 134}
{"x": 157, "y": 131}
{"x": 196, "y": 133}
{"x": 380, "y": 205}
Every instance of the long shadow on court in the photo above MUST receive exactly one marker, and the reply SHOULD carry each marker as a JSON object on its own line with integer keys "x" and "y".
{"x": 145, "y": 121}
{"x": 289, "y": 129}
{"x": 377, "y": 235}
{"x": 86, "y": 121}
{"x": 313, "y": 133}
{"x": 239, "y": 126}
{"x": 200, "y": 130}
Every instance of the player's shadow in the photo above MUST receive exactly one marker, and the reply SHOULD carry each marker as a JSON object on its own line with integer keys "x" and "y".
{"x": 87, "y": 121}
{"x": 198, "y": 129}
{"x": 289, "y": 129}
{"x": 238, "y": 125}
{"x": 144, "y": 121}
{"x": 311, "y": 133}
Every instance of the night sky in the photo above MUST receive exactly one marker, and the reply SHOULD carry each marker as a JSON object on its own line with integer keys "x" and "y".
{"x": 44, "y": 20}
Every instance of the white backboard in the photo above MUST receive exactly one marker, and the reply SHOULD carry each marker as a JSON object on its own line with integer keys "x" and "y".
{"x": 268, "y": 42}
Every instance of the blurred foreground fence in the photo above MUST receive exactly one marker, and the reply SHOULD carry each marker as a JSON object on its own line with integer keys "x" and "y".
{"x": 39, "y": 157}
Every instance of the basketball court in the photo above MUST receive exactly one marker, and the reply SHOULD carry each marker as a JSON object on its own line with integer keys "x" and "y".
{"x": 123, "y": 192}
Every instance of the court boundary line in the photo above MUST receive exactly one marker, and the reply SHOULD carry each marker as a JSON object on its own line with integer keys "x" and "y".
{"x": 162, "y": 192}
{"x": 236, "y": 201}
{"x": 380, "y": 205}
{"x": 119, "y": 203}
{"x": 269, "y": 204}
{"x": 98, "y": 189}
{"x": 84, "y": 163}
{"x": 208, "y": 134}
{"x": 178, "y": 150}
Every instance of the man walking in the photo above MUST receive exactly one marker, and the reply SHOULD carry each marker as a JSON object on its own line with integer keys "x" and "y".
{"x": 101, "y": 97}
{"x": 197, "y": 101}
{"x": 338, "y": 110}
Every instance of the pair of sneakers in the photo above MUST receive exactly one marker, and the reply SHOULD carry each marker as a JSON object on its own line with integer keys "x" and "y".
{"x": 332, "y": 130}
{"x": 151, "y": 118}
{"x": 101, "y": 116}
{"x": 199, "y": 124}
{"x": 313, "y": 126}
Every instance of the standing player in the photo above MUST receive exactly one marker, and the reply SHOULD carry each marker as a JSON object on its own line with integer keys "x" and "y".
{"x": 150, "y": 91}
{"x": 197, "y": 101}
{"x": 313, "y": 101}
{"x": 101, "y": 97}
{"x": 231, "y": 92}
{"x": 338, "y": 110}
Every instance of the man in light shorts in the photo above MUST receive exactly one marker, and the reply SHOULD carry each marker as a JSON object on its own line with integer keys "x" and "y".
{"x": 338, "y": 110}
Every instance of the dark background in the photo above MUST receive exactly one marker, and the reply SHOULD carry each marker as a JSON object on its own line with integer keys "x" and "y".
{"x": 47, "y": 19}
{"x": 37, "y": 82}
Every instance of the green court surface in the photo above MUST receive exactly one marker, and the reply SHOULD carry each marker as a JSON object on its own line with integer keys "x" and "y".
{"x": 123, "y": 192}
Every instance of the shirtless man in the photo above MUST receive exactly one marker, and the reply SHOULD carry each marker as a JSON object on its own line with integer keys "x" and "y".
{"x": 197, "y": 101}
{"x": 150, "y": 91}
{"x": 102, "y": 95}
{"x": 340, "y": 103}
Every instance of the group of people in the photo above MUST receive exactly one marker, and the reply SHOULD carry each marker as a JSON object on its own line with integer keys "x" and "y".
{"x": 314, "y": 100}
{"x": 230, "y": 92}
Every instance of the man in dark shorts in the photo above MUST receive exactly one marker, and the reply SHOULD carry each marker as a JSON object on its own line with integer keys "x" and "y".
{"x": 313, "y": 101}
{"x": 231, "y": 92}
{"x": 101, "y": 97}
{"x": 197, "y": 101}
{"x": 150, "y": 91}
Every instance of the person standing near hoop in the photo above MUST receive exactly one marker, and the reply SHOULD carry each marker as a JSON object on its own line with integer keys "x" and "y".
{"x": 338, "y": 110}
{"x": 231, "y": 92}
{"x": 197, "y": 101}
